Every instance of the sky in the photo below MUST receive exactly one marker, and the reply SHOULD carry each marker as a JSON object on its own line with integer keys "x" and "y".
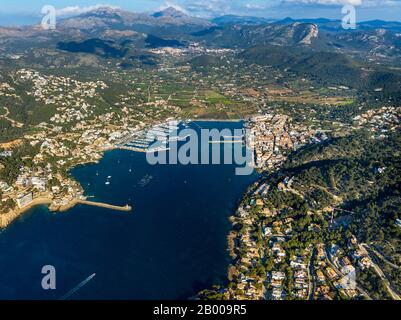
{"x": 13, "y": 12}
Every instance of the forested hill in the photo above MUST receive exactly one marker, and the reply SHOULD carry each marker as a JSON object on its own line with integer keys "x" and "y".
{"x": 329, "y": 68}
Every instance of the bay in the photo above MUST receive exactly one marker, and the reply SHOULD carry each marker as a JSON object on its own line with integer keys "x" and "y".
{"x": 173, "y": 243}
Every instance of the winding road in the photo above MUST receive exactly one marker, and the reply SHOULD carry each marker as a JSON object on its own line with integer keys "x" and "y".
{"x": 13, "y": 122}
{"x": 379, "y": 272}
{"x": 331, "y": 263}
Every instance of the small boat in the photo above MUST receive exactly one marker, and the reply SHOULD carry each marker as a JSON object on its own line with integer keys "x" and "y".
{"x": 109, "y": 177}
{"x": 130, "y": 170}
{"x": 107, "y": 183}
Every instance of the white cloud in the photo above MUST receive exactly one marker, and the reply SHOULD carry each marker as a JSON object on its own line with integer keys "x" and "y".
{"x": 169, "y": 4}
{"x": 357, "y": 3}
{"x": 380, "y": 3}
{"x": 326, "y": 2}
{"x": 210, "y": 7}
{"x": 76, "y": 10}
{"x": 254, "y": 6}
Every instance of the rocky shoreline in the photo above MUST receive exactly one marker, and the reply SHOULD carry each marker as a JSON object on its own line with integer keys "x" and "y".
{"x": 7, "y": 218}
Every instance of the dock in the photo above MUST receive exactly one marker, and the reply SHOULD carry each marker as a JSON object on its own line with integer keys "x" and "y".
{"x": 225, "y": 141}
{"x": 142, "y": 140}
{"x": 126, "y": 208}
{"x": 131, "y": 149}
{"x": 147, "y": 150}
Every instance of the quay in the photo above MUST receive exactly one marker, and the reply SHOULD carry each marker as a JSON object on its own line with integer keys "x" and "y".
{"x": 131, "y": 149}
{"x": 225, "y": 141}
{"x": 126, "y": 208}
{"x": 147, "y": 150}
{"x": 7, "y": 218}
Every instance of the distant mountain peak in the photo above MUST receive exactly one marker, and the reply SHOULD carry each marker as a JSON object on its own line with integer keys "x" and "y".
{"x": 105, "y": 10}
{"x": 170, "y": 12}
{"x": 287, "y": 20}
{"x": 113, "y": 18}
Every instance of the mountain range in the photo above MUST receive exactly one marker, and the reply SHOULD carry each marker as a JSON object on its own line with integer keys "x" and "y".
{"x": 232, "y": 31}
{"x": 318, "y": 47}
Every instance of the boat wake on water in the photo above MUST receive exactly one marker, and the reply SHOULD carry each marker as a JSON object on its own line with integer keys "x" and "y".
{"x": 79, "y": 286}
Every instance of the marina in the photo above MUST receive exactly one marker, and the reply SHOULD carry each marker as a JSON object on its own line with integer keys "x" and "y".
{"x": 141, "y": 141}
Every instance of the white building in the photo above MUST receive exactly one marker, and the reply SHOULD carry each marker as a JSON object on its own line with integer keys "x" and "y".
{"x": 24, "y": 200}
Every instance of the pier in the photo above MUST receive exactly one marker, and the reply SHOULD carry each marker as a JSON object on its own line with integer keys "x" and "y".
{"x": 142, "y": 140}
{"x": 126, "y": 208}
{"x": 142, "y": 150}
{"x": 131, "y": 149}
{"x": 225, "y": 141}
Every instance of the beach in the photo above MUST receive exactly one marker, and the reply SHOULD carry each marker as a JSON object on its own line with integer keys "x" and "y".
{"x": 7, "y": 218}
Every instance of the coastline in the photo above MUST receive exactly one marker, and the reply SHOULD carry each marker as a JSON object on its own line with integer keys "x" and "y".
{"x": 8, "y": 217}
{"x": 216, "y": 120}
{"x": 228, "y": 269}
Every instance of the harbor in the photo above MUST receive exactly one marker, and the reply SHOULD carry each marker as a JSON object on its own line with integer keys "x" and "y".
{"x": 144, "y": 140}
{"x": 172, "y": 213}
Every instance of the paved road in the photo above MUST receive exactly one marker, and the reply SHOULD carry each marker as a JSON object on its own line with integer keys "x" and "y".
{"x": 331, "y": 263}
{"x": 377, "y": 253}
{"x": 380, "y": 273}
{"x": 311, "y": 276}
{"x": 14, "y": 123}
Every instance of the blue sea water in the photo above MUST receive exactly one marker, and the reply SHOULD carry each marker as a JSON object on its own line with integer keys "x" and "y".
{"x": 172, "y": 245}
